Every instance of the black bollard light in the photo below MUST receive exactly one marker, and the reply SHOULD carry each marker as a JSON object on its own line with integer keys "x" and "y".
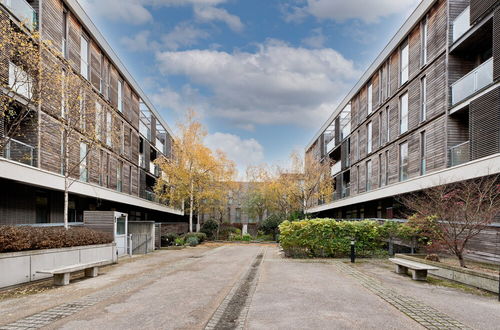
{"x": 353, "y": 251}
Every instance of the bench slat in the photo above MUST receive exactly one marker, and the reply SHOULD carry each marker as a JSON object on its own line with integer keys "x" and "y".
{"x": 412, "y": 264}
{"x": 74, "y": 268}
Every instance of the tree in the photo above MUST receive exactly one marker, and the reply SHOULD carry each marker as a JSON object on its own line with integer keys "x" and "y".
{"x": 195, "y": 173}
{"x": 453, "y": 214}
{"x": 258, "y": 200}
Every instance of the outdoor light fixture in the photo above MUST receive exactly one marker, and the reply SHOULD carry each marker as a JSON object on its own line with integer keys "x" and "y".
{"x": 353, "y": 251}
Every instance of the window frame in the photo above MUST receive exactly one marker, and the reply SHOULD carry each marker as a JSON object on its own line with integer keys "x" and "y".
{"x": 403, "y": 113}
{"x": 369, "y": 139}
{"x": 424, "y": 40}
{"x": 403, "y": 161}
{"x": 369, "y": 98}
{"x": 423, "y": 99}
{"x": 86, "y": 40}
{"x": 423, "y": 149}
{"x": 404, "y": 63}
{"x": 368, "y": 175}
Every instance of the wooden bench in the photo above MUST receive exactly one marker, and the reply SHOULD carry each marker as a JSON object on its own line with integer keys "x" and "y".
{"x": 62, "y": 275}
{"x": 419, "y": 271}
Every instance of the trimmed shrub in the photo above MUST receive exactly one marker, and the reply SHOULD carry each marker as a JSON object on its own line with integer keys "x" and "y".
{"x": 179, "y": 241}
{"x": 226, "y": 230}
{"x": 168, "y": 239}
{"x": 329, "y": 238}
{"x": 199, "y": 236}
{"x": 270, "y": 226}
{"x": 246, "y": 237}
{"x": 22, "y": 238}
{"x": 192, "y": 241}
{"x": 210, "y": 228}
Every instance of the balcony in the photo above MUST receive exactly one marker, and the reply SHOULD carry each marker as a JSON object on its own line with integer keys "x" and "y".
{"x": 475, "y": 80}
{"x": 154, "y": 169}
{"x": 159, "y": 145}
{"x": 141, "y": 161}
{"x": 330, "y": 146}
{"x": 20, "y": 152}
{"x": 460, "y": 154}
{"x": 336, "y": 168}
{"x": 22, "y": 11}
{"x": 461, "y": 24}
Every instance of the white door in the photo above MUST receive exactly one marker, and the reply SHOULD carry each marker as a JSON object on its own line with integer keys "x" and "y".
{"x": 121, "y": 234}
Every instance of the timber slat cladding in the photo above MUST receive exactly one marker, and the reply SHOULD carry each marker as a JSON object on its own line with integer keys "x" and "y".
{"x": 479, "y": 8}
{"x": 455, "y": 8}
{"x": 74, "y": 33}
{"x": 50, "y": 144}
{"x": 100, "y": 221}
{"x": 95, "y": 66}
{"x": 52, "y": 21}
{"x": 484, "y": 115}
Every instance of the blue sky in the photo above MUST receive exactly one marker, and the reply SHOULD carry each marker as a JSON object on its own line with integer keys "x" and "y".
{"x": 263, "y": 74}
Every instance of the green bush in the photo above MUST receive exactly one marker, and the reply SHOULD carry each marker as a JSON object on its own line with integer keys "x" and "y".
{"x": 21, "y": 238}
{"x": 168, "y": 239}
{"x": 210, "y": 228}
{"x": 246, "y": 237}
{"x": 329, "y": 238}
{"x": 192, "y": 241}
{"x": 179, "y": 241}
{"x": 226, "y": 230}
{"x": 270, "y": 226}
{"x": 199, "y": 236}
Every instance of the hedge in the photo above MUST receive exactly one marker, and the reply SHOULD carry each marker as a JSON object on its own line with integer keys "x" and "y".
{"x": 329, "y": 238}
{"x": 21, "y": 238}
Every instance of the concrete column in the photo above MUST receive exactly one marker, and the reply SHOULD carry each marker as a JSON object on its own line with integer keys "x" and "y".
{"x": 401, "y": 269}
{"x": 91, "y": 272}
{"x": 419, "y": 275}
{"x": 244, "y": 229}
{"x": 61, "y": 279}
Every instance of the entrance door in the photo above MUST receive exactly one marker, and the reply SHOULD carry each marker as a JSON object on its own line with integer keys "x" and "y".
{"x": 121, "y": 233}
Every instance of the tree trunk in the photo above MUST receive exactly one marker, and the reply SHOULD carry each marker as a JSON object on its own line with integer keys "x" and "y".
{"x": 66, "y": 177}
{"x": 461, "y": 259}
{"x": 66, "y": 203}
{"x": 191, "y": 205}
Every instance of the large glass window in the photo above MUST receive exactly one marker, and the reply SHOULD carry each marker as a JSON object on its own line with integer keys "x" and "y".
{"x": 403, "y": 161}
{"x": 370, "y": 98}
{"x": 120, "y": 93}
{"x": 423, "y": 164}
{"x": 423, "y": 98}
{"x": 84, "y": 57}
{"x": 380, "y": 171}
{"x": 369, "y": 137}
{"x": 64, "y": 43}
{"x": 109, "y": 128}
{"x": 119, "y": 171}
{"x": 424, "y": 31}
{"x": 403, "y": 113}
{"x": 386, "y": 165}
{"x": 404, "y": 61}
{"x": 368, "y": 175}
{"x": 387, "y": 125}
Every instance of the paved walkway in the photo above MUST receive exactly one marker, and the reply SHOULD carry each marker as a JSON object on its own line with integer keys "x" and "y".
{"x": 247, "y": 287}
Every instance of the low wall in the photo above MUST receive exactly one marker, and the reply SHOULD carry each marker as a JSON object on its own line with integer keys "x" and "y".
{"x": 143, "y": 234}
{"x": 470, "y": 277}
{"x": 21, "y": 267}
{"x": 174, "y": 227}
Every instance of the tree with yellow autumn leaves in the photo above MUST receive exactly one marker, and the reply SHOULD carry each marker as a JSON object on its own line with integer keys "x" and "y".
{"x": 196, "y": 177}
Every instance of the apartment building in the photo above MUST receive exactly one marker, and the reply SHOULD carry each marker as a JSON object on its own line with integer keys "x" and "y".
{"x": 115, "y": 175}
{"x": 426, "y": 112}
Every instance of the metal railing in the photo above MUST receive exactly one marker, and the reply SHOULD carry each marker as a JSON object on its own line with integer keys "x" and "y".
{"x": 330, "y": 145}
{"x": 475, "y": 80}
{"x": 20, "y": 152}
{"x": 22, "y": 11}
{"x": 336, "y": 168}
{"x": 460, "y": 154}
{"x": 159, "y": 145}
{"x": 461, "y": 24}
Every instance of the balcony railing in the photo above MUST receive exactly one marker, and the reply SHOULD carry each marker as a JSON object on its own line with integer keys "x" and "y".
{"x": 20, "y": 152}
{"x": 460, "y": 154}
{"x": 461, "y": 24}
{"x": 159, "y": 145}
{"x": 330, "y": 145}
{"x": 141, "y": 160}
{"x": 22, "y": 11}
{"x": 336, "y": 168}
{"x": 475, "y": 80}
{"x": 151, "y": 196}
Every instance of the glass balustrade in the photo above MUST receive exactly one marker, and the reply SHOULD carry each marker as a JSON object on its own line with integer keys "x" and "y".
{"x": 475, "y": 80}
{"x": 23, "y": 12}
{"x": 460, "y": 153}
{"x": 461, "y": 24}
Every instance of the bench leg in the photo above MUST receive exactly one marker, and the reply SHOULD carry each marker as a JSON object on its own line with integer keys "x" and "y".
{"x": 419, "y": 275}
{"x": 91, "y": 272}
{"x": 61, "y": 279}
{"x": 401, "y": 269}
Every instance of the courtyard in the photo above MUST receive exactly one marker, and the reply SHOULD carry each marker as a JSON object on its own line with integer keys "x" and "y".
{"x": 245, "y": 286}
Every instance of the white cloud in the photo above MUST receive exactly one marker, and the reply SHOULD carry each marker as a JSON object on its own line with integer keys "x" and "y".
{"x": 243, "y": 152}
{"x": 210, "y": 13}
{"x": 179, "y": 101}
{"x": 183, "y": 2}
{"x": 183, "y": 34}
{"x": 341, "y": 10}
{"x": 316, "y": 40}
{"x": 129, "y": 11}
{"x": 138, "y": 42}
{"x": 277, "y": 84}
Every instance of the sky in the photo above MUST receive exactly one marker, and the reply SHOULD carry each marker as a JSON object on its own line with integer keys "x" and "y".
{"x": 263, "y": 75}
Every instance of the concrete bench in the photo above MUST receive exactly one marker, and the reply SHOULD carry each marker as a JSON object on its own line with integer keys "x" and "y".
{"x": 62, "y": 274}
{"x": 419, "y": 271}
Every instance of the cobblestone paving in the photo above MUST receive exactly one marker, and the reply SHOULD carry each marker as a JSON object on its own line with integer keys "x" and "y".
{"x": 426, "y": 316}
{"x": 213, "y": 323}
{"x": 51, "y": 315}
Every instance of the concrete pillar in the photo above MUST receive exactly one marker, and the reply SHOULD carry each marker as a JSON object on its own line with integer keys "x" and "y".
{"x": 61, "y": 279}
{"x": 401, "y": 269}
{"x": 91, "y": 272}
{"x": 419, "y": 275}
{"x": 244, "y": 229}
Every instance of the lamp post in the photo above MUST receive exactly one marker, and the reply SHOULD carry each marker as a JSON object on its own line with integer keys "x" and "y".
{"x": 353, "y": 250}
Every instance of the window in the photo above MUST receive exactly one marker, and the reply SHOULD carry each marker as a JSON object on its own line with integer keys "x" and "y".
{"x": 386, "y": 165}
{"x": 423, "y": 164}
{"x": 98, "y": 120}
{"x": 238, "y": 214}
{"x": 403, "y": 161}
{"x": 64, "y": 43}
{"x": 109, "y": 128}
{"x": 369, "y": 137}
{"x": 368, "y": 175}
{"x": 19, "y": 81}
{"x": 370, "y": 98}
{"x": 83, "y": 119}
{"x": 403, "y": 117}
{"x": 122, "y": 142}
{"x": 388, "y": 79}
{"x": 404, "y": 61}
{"x": 380, "y": 172}
{"x": 83, "y": 162}
{"x": 130, "y": 179}
{"x": 119, "y": 171}
{"x": 380, "y": 116}
{"x": 84, "y": 57}
{"x": 357, "y": 146}
{"x": 423, "y": 99}
{"x": 423, "y": 33}
{"x": 381, "y": 85}
{"x": 63, "y": 94}
{"x": 119, "y": 89}
{"x": 387, "y": 126}
{"x": 42, "y": 208}
{"x": 357, "y": 178}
